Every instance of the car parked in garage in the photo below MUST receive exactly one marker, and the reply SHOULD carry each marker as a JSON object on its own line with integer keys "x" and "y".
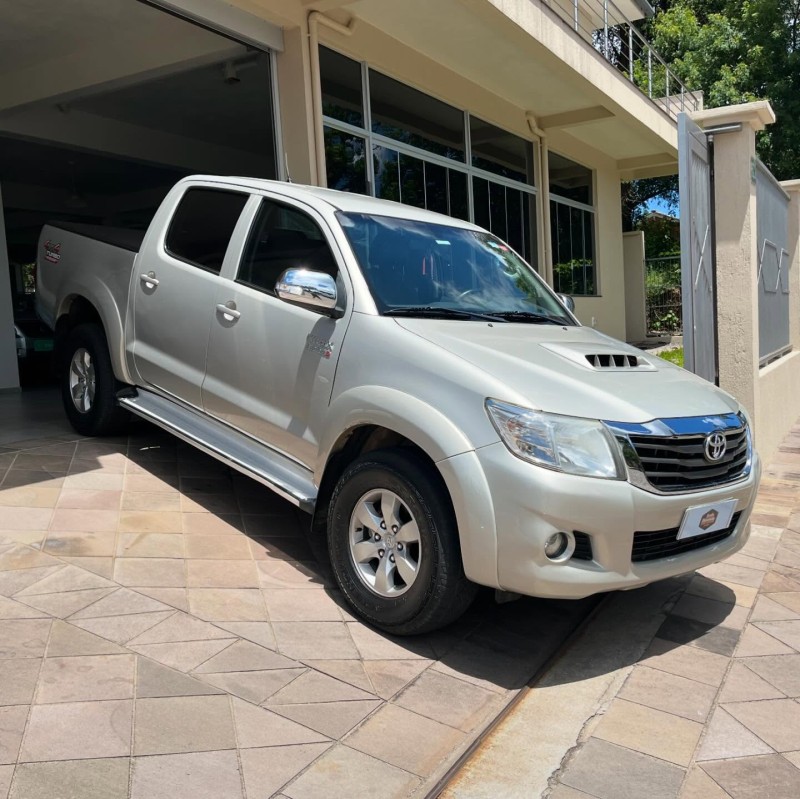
{"x": 411, "y": 382}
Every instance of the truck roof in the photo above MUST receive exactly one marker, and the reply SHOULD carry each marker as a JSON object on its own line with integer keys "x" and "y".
{"x": 341, "y": 200}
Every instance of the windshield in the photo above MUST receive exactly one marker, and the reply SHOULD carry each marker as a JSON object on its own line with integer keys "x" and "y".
{"x": 420, "y": 268}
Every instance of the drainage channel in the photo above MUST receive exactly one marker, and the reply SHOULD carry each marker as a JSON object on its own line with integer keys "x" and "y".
{"x": 574, "y": 633}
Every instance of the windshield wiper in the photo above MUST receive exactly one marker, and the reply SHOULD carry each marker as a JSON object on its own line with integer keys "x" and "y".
{"x": 528, "y": 316}
{"x": 441, "y": 313}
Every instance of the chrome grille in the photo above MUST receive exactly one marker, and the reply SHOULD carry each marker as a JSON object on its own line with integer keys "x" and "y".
{"x": 678, "y": 464}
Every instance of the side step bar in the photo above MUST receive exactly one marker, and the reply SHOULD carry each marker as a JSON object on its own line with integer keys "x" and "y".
{"x": 284, "y": 476}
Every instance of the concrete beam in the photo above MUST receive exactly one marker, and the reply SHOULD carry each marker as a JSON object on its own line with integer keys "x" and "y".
{"x": 570, "y": 119}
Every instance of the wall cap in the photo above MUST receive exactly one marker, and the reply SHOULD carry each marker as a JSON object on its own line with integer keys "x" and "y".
{"x": 790, "y": 186}
{"x": 757, "y": 115}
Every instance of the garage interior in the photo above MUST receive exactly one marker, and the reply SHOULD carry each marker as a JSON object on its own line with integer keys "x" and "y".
{"x": 103, "y": 107}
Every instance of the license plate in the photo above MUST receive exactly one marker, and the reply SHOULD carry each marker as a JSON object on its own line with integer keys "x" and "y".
{"x": 707, "y": 518}
{"x": 43, "y": 345}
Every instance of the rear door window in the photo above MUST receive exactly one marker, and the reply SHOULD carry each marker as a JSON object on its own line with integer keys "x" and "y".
{"x": 202, "y": 226}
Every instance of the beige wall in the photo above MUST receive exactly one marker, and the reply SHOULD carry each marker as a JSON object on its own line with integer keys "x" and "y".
{"x": 779, "y": 403}
{"x": 635, "y": 322}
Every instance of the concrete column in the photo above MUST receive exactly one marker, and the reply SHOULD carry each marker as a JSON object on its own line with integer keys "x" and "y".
{"x": 635, "y": 295}
{"x": 9, "y": 373}
{"x": 792, "y": 188}
{"x": 296, "y": 110}
{"x": 737, "y": 244}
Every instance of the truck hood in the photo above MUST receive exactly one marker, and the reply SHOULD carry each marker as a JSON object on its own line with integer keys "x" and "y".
{"x": 575, "y": 371}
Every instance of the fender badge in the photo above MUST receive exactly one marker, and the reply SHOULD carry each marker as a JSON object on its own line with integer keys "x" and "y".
{"x": 52, "y": 252}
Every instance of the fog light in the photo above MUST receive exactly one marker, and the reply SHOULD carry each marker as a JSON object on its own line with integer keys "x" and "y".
{"x": 559, "y": 546}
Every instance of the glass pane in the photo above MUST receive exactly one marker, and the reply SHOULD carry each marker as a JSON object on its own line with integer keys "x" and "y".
{"x": 345, "y": 161}
{"x": 529, "y": 229}
{"x": 497, "y": 209}
{"x": 515, "y": 236}
{"x": 202, "y": 226}
{"x": 412, "y": 181}
{"x": 387, "y": 175}
{"x": 436, "y": 188}
{"x": 283, "y": 238}
{"x": 480, "y": 195}
{"x": 409, "y": 116}
{"x": 457, "y": 193}
{"x": 341, "y": 87}
{"x": 498, "y": 151}
{"x": 569, "y": 179}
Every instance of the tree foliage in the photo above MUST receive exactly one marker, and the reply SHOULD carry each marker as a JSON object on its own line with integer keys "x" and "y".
{"x": 734, "y": 51}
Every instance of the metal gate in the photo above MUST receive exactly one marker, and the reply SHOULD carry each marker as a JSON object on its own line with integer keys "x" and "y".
{"x": 772, "y": 214}
{"x": 698, "y": 272}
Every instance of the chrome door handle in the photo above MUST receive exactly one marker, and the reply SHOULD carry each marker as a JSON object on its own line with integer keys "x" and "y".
{"x": 150, "y": 280}
{"x": 228, "y": 310}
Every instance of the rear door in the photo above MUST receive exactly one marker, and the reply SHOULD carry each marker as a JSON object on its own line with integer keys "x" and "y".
{"x": 271, "y": 365}
{"x": 175, "y": 289}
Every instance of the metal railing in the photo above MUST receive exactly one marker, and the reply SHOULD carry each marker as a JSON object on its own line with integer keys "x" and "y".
{"x": 664, "y": 308}
{"x": 618, "y": 40}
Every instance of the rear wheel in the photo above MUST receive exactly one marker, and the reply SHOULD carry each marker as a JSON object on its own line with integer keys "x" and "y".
{"x": 394, "y": 544}
{"x": 88, "y": 385}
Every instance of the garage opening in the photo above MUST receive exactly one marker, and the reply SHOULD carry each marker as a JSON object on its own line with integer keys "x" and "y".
{"x": 103, "y": 106}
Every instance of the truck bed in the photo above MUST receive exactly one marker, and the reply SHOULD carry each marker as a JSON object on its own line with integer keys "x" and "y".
{"x": 118, "y": 237}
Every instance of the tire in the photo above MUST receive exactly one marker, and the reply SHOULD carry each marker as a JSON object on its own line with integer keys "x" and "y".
{"x": 88, "y": 385}
{"x": 395, "y": 584}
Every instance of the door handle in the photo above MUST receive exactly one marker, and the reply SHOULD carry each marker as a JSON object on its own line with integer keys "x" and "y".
{"x": 228, "y": 310}
{"x": 150, "y": 280}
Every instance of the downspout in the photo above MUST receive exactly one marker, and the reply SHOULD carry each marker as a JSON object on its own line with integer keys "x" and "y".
{"x": 315, "y": 19}
{"x": 544, "y": 171}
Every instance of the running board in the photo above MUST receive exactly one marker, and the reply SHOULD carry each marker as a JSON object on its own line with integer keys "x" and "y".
{"x": 284, "y": 476}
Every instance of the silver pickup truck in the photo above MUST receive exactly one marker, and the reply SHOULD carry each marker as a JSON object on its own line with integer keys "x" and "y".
{"x": 410, "y": 381}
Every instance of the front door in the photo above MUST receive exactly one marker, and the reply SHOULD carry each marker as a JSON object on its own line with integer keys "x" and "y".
{"x": 270, "y": 364}
{"x": 175, "y": 290}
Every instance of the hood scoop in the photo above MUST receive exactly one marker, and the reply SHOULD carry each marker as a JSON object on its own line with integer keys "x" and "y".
{"x": 601, "y": 359}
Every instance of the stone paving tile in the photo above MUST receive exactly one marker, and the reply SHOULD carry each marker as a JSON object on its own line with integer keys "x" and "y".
{"x": 686, "y": 661}
{"x": 722, "y": 640}
{"x": 266, "y": 770}
{"x": 254, "y": 686}
{"x": 352, "y": 672}
{"x": 123, "y": 601}
{"x": 781, "y": 671}
{"x": 767, "y": 609}
{"x": 790, "y": 601}
{"x": 77, "y": 731}
{"x": 70, "y": 578}
{"x": 333, "y": 719}
{"x": 9, "y": 609}
{"x": 180, "y": 627}
{"x": 79, "y": 543}
{"x": 607, "y": 771}
{"x": 206, "y": 775}
{"x": 11, "y": 582}
{"x": 23, "y": 638}
{"x": 155, "y": 572}
{"x": 650, "y": 731}
{"x": 18, "y": 681}
{"x": 227, "y": 604}
{"x": 121, "y": 629}
{"x": 65, "y": 603}
{"x": 73, "y": 779}
{"x": 670, "y": 693}
{"x": 343, "y": 773}
{"x": 418, "y": 744}
{"x": 83, "y": 678}
{"x": 325, "y": 640}
{"x": 711, "y": 611}
{"x": 67, "y": 640}
{"x": 756, "y": 642}
{"x": 726, "y": 738}
{"x": 742, "y": 684}
{"x": 449, "y": 700}
{"x": 12, "y": 725}
{"x": 149, "y": 545}
{"x": 259, "y": 632}
{"x": 172, "y": 725}
{"x": 788, "y": 632}
{"x": 699, "y": 785}
{"x": 245, "y": 656}
{"x": 203, "y": 573}
{"x": 291, "y": 604}
{"x": 88, "y": 498}
{"x": 315, "y": 687}
{"x": 183, "y": 656}
{"x": 753, "y": 777}
{"x": 6, "y": 773}
{"x": 259, "y": 727}
{"x": 154, "y": 680}
{"x": 775, "y": 721}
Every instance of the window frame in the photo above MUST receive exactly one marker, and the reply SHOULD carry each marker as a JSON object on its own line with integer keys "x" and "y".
{"x": 176, "y": 208}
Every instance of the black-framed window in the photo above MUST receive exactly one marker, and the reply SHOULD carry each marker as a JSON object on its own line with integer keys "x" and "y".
{"x": 572, "y": 220}
{"x": 283, "y": 237}
{"x": 202, "y": 225}
{"x": 498, "y": 151}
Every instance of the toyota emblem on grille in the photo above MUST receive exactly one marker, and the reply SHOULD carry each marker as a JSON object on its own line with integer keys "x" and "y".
{"x": 715, "y": 447}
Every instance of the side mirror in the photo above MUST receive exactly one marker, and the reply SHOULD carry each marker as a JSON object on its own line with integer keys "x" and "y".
{"x": 315, "y": 290}
{"x": 568, "y": 302}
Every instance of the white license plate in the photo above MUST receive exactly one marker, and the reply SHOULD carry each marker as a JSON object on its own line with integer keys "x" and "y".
{"x": 707, "y": 518}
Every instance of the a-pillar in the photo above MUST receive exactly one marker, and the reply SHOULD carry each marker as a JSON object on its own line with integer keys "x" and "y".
{"x": 737, "y": 246}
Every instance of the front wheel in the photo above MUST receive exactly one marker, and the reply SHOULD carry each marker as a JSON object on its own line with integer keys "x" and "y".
{"x": 394, "y": 544}
{"x": 88, "y": 385}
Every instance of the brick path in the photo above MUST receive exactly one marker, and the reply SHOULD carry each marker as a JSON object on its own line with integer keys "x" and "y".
{"x": 167, "y": 631}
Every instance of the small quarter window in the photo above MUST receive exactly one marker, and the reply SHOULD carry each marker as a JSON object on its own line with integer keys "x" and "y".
{"x": 202, "y": 226}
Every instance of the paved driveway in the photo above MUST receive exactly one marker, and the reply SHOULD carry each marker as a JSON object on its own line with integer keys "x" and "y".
{"x": 169, "y": 629}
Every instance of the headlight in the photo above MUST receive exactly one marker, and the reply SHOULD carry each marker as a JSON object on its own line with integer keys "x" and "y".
{"x": 565, "y": 443}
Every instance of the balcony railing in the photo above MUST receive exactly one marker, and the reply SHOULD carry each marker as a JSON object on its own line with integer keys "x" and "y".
{"x": 618, "y": 40}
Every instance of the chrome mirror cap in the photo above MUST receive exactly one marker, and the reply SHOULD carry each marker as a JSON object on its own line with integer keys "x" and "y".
{"x": 315, "y": 290}
{"x": 568, "y": 302}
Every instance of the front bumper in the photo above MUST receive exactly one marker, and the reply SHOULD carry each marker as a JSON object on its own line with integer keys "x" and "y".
{"x": 531, "y": 503}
